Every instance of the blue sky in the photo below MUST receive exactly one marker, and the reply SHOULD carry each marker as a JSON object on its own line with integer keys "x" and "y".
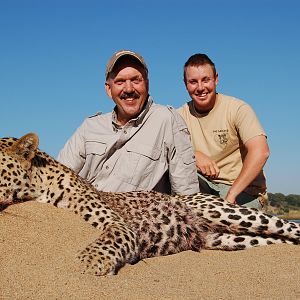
{"x": 53, "y": 56}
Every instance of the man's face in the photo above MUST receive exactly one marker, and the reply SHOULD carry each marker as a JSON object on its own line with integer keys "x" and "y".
{"x": 201, "y": 84}
{"x": 127, "y": 85}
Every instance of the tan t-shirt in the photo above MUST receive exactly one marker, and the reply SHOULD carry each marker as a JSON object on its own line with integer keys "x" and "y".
{"x": 221, "y": 134}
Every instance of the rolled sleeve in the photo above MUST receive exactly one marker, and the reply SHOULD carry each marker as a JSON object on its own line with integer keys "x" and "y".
{"x": 73, "y": 153}
{"x": 183, "y": 172}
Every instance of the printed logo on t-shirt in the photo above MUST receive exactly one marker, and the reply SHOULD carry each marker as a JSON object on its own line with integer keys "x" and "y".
{"x": 221, "y": 137}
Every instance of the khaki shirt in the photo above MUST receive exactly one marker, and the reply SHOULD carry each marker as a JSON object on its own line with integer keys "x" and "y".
{"x": 222, "y": 133}
{"x": 140, "y": 155}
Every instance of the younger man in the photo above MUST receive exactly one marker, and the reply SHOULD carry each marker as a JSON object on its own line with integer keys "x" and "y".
{"x": 230, "y": 144}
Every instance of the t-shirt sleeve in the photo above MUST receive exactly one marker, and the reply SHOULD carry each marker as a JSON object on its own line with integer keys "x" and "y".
{"x": 247, "y": 123}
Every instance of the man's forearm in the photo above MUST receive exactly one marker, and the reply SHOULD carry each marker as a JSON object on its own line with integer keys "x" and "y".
{"x": 256, "y": 157}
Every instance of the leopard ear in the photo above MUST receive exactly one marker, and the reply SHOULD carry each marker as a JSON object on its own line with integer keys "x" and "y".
{"x": 25, "y": 148}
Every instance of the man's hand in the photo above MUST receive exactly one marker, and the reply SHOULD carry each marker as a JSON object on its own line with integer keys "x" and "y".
{"x": 231, "y": 197}
{"x": 206, "y": 166}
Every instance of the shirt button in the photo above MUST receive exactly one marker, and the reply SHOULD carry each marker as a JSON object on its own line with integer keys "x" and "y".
{"x": 125, "y": 131}
{"x": 107, "y": 167}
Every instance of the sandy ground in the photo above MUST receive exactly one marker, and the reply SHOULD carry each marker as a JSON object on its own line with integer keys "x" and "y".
{"x": 38, "y": 245}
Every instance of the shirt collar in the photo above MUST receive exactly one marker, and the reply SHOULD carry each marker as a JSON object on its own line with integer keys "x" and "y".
{"x": 195, "y": 113}
{"x": 136, "y": 121}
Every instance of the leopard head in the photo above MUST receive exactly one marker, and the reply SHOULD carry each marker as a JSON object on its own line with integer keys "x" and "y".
{"x": 16, "y": 157}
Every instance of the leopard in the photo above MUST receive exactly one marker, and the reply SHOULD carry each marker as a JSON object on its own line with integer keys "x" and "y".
{"x": 133, "y": 225}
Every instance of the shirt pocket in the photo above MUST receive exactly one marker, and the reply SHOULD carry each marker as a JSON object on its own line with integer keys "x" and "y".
{"x": 188, "y": 157}
{"x": 140, "y": 165}
{"x": 182, "y": 141}
{"x": 96, "y": 148}
{"x": 95, "y": 153}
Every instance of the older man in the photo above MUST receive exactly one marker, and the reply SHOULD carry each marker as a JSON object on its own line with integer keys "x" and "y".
{"x": 139, "y": 145}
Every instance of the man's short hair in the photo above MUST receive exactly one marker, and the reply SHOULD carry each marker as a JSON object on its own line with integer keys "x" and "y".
{"x": 199, "y": 59}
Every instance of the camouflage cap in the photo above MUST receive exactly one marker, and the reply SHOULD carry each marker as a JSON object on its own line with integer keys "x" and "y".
{"x": 111, "y": 63}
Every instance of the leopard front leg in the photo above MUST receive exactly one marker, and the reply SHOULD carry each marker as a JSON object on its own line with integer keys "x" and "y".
{"x": 116, "y": 246}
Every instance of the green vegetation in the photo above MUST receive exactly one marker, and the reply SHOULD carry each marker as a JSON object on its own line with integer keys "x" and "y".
{"x": 287, "y": 207}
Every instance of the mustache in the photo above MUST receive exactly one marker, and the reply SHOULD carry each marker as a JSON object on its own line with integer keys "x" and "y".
{"x": 133, "y": 95}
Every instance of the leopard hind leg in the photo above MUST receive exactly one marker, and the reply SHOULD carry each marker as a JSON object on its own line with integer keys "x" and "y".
{"x": 232, "y": 242}
{"x": 241, "y": 220}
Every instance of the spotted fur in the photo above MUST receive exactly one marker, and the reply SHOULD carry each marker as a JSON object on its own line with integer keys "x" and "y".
{"x": 133, "y": 225}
